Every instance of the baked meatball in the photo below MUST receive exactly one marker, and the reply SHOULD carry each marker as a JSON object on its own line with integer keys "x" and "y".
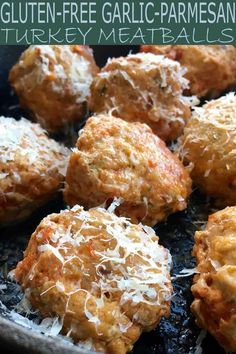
{"x": 211, "y": 69}
{"x": 115, "y": 158}
{"x": 145, "y": 88}
{"x": 32, "y": 168}
{"x": 215, "y": 286}
{"x": 209, "y": 145}
{"x": 107, "y": 279}
{"x": 53, "y": 83}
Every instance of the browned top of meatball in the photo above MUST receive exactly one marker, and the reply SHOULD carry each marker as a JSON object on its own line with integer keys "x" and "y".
{"x": 53, "y": 83}
{"x": 209, "y": 145}
{"x": 106, "y": 278}
{"x": 215, "y": 286}
{"x": 211, "y": 69}
{"x": 32, "y": 167}
{"x": 144, "y": 88}
{"x": 115, "y": 158}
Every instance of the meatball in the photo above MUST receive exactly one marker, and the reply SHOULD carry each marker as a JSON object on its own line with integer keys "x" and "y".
{"x": 107, "y": 279}
{"x": 115, "y": 158}
{"x": 32, "y": 168}
{"x": 146, "y": 88}
{"x": 215, "y": 287}
{"x": 209, "y": 145}
{"x": 53, "y": 83}
{"x": 211, "y": 69}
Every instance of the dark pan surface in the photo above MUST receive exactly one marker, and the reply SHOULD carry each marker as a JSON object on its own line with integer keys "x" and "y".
{"x": 178, "y": 334}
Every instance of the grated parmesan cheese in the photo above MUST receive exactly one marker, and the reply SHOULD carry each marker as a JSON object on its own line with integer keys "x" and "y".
{"x": 186, "y": 272}
{"x": 105, "y": 261}
{"x": 29, "y": 141}
{"x": 76, "y": 74}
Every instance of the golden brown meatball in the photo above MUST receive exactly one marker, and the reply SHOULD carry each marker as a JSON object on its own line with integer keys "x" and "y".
{"x": 211, "y": 69}
{"x": 215, "y": 285}
{"x": 146, "y": 88}
{"x": 32, "y": 168}
{"x": 107, "y": 279}
{"x": 53, "y": 83}
{"x": 115, "y": 158}
{"x": 209, "y": 145}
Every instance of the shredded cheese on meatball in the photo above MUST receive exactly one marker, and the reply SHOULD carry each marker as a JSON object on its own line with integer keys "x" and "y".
{"x": 28, "y": 141}
{"x": 208, "y": 147}
{"x": 77, "y": 74}
{"x": 133, "y": 267}
{"x": 167, "y": 68}
{"x": 220, "y": 113}
{"x": 137, "y": 282}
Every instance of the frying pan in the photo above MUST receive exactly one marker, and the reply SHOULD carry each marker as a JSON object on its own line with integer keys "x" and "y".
{"x": 176, "y": 335}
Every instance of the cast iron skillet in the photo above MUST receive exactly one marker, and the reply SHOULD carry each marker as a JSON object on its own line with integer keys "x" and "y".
{"x": 178, "y": 334}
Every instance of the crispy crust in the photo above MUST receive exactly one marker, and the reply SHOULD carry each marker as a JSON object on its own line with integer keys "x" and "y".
{"x": 211, "y": 68}
{"x": 106, "y": 279}
{"x": 209, "y": 145}
{"x": 144, "y": 88}
{"x": 114, "y": 158}
{"x": 214, "y": 289}
{"x": 53, "y": 83}
{"x": 32, "y": 168}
